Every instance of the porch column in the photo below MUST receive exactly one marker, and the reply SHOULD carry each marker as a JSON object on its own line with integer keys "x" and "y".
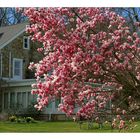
{"x": 53, "y": 106}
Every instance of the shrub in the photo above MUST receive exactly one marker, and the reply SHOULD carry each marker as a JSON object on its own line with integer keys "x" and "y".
{"x": 31, "y": 109}
{"x": 13, "y": 118}
{"x": 19, "y": 120}
{"x": 29, "y": 119}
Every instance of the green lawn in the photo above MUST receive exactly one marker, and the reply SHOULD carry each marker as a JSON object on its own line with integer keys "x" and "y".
{"x": 42, "y": 126}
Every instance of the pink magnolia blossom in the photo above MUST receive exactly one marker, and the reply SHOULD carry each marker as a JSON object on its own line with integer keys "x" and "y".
{"x": 122, "y": 124}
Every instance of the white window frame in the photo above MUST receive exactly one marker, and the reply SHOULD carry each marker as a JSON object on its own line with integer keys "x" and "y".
{"x": 28, "y": 42}
{"x": 21, "y": 70}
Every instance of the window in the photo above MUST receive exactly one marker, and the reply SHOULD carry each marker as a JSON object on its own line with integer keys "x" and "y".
{"x": 57, "y": 102}
{"x": 49, "y": 105}
{"x": 6, "y": 100}
{"x": 19, "y": 99}
{"x": 26, "y": 41}
{"x": 17, "y": 68}
{"x": 34, "y": 98}
{"x": 29, "y": 98}
{"x": 12, "y": 100}
{"x": 24, "y": 99}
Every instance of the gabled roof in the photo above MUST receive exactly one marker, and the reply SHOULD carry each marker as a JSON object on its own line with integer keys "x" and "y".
{"x": 9, "y": 33}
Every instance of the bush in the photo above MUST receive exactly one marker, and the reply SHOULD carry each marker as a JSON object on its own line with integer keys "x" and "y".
{"x": 12, "y": 119}
{"x": 31, "y": 109}
{"x": 29, "y": 119}
{"x": 19, "y": 120}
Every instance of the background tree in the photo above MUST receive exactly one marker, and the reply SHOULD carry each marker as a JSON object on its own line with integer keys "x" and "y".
{"x": 131, "y": 15}
{"x": 9, "y": 16}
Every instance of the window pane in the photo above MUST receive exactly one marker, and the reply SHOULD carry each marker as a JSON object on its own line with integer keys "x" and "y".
{"x": 49, "y": 105}
{"x": 26, "y": 43}
{"x": 29, "y": 98}
{"x": 34, "y": 98}
{"x": 12, "y": 100}
{"x": 24, "y": 99}
{"x": 5, "y": 100}
{"x": 57, "y": 102}
{"x": 0, "y": 102}
{"x": 19, "y": 100}
{"x": 17, "y": 68}
{"x": 17, "y": 72}
{"x": 17, "y": 64}
{"x": 25, "y": 40}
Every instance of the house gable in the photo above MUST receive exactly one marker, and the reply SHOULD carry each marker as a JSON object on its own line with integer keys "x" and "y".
{"x": 9, "y": 33}
{"x": 15, "y": 50}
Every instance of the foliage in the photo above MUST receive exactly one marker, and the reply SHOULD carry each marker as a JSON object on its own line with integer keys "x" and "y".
{"x": 29, "y": 120}
{"x": 84, "y": 45}
{"x": 18, "y": 109}
{"x": 21, "y": 119}
{"x": 31, "y": 110}
{"x": 12, "y": 119}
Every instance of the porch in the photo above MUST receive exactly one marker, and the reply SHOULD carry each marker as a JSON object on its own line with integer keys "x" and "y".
{"x": 16, "y": 98}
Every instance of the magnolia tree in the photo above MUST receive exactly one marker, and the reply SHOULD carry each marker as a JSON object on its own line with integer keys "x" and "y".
{"x": 84, "y": 47}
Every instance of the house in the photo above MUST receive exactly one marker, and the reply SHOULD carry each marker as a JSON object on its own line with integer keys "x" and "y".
{"x": 16, "y": 52}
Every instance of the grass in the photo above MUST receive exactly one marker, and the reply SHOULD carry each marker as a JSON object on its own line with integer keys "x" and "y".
{"x": 42, "y": 126}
